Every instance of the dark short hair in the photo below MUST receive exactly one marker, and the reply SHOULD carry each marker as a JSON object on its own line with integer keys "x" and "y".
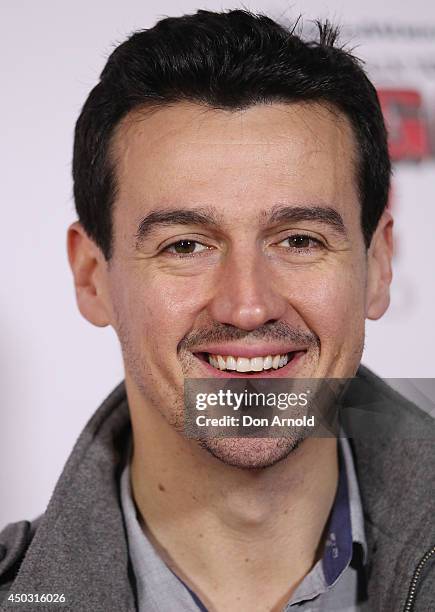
{"x": 229, "y": 60}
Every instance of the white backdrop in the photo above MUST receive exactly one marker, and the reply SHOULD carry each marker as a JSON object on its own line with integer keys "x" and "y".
{"x": 55, "y": 367}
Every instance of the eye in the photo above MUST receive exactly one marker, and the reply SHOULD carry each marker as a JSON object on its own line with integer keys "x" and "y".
{"x": 185, "y": 247}
{"x": 301, "y": 242}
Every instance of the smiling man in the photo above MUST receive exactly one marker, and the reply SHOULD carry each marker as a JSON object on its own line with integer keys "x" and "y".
{"x": 231, "y": 183}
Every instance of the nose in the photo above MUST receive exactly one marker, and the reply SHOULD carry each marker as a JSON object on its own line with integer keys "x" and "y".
{"x": 246, "y": 295}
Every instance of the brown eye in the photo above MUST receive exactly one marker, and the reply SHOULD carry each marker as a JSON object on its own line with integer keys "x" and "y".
{"x": 184, "y": 246}
{"x": 300, "y": 242}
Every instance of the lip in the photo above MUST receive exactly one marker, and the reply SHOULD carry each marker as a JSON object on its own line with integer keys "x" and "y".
{"x": 284, "y": 372}
{"x": 257, "y": 350}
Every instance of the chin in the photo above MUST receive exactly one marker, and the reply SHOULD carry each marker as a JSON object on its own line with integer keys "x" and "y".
{"x": 251, "y": 453}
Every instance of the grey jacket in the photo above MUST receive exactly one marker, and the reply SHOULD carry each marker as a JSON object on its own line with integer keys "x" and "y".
{"x": 78, "y": 548}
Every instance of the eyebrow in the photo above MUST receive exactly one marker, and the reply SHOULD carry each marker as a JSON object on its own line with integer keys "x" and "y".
{"x": 322, "y": 214}
{"x": 208, "y": 217}
{"x": 176, "y": 216}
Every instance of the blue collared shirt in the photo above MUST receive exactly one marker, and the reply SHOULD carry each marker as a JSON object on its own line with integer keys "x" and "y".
{"x": 334, "y": 583}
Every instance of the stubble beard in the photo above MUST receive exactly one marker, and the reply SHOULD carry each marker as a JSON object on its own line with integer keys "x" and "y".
{"x": 251, "y": 453}
{"x": 246, "y": 453}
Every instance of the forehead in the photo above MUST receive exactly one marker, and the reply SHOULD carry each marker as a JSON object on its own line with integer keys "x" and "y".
{"x": 191, "y": 155}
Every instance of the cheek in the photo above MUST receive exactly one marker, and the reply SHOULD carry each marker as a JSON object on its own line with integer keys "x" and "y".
{"x": 331, "y": 302}
{"x": 157, "y": 309}
{"x": 172, "y": 303}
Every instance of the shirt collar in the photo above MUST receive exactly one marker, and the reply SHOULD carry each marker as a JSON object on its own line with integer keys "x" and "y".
{"x": 355, "y": 504}
{"x": 345, "y": 528}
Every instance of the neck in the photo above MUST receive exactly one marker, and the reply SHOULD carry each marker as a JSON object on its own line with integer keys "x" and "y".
{"x": 192, "y": 503}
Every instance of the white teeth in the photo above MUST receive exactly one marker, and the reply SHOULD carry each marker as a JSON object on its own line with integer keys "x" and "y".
{"x": 257, "y": 364}
{"x": 267, "y": 362}
{"x": 221, "y": 362}
{"x": 244, "y": 364}
{"x": 282, "y": 361}
{"x": 231, "y": 363}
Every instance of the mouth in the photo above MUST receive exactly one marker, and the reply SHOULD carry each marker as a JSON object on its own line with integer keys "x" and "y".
{"x": 261, "y": 366}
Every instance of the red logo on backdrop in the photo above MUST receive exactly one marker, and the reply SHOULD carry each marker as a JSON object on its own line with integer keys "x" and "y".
{"x": 407, "y": 123}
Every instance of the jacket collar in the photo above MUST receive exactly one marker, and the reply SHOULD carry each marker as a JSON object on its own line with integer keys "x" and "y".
{"x": 393, "y": 445}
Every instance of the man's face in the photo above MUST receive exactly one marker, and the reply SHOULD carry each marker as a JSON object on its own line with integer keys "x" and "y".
{"x": 272, "y": 263}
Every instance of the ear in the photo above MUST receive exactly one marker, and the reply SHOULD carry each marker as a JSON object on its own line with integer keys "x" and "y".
{"x": 379, "y": 272}
{"x": 89, "y": 267}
